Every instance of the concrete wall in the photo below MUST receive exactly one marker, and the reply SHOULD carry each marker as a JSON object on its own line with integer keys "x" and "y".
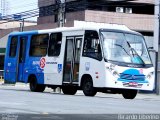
{"x": 13, "y": 24}
{"x": 46, "y": 19}
{"x": 80, "y": 15}
{"x": 27, "y": 28}
{"x": 3, "y": 41}
{"x": 136, "y": 22}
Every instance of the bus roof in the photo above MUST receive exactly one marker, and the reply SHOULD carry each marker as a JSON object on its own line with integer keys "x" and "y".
{"x": 79, "y": 25}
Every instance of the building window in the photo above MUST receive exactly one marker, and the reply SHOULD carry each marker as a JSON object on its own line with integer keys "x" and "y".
{"x": 128, "y": 10}
{"x": 55, "y": 44}
{"x": 56, "y": 18}
{"x": 91, "y": 46}
{"x": 13, "y": 46}
{"x": 48, "y": 10}
{"x": 39, "y": 45}
{"x": 119, "y": 9}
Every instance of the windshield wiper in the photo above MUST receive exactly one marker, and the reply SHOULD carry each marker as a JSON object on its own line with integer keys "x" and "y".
{"x": 135, "y": 57}
{"x": 122, "y": 48}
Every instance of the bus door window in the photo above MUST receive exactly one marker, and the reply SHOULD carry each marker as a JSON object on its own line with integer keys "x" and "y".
{"x": 78, "y": 43}
{"x": 39, "y": 45}
{"x": 13, "y": 46}
{"x": 78, "y": 49}
{"x": 68, "y": 67}
{"x": 55, "y": 44}
{"x": 92, "y": 46}
{"x": 72, "y": 59}
{"x": 22, "y": 49}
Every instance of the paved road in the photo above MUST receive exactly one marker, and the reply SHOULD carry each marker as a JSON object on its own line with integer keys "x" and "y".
{"x": 20, "y": 100}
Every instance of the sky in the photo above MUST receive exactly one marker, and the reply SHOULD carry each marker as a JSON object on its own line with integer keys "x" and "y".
{"x": 17, "y": 6}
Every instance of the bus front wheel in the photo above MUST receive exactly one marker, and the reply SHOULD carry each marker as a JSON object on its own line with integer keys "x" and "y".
{"x": 88, "y": 88}
{"x": 34, "y": 86}
{"x": 129, "y": 94}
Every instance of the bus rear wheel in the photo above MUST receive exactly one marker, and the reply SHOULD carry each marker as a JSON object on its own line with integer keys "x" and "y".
{"x": 34, "y": 86}
{"x": 88, "y": 88}
{"x": 69, "y": 90}
{"x": 129, "y": 94}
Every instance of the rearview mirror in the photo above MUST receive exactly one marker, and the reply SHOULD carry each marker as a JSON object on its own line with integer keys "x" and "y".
{"x": 150, "y": 49}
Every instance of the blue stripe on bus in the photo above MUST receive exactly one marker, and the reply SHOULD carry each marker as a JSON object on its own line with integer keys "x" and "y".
{"x": 24, "y": 33}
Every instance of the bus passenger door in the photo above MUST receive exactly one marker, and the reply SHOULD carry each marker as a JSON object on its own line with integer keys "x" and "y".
{"x": 72, "y": 59}
{"x": 10, "y": 66}
{"x": 14, "y": 60}
{"x": 21, "y": 57}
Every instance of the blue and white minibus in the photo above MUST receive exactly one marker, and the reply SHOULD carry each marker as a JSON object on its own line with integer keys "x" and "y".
{"x": 94, "y": 57}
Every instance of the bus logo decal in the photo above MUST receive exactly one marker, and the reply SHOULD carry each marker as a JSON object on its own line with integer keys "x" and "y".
{"x": 133, "y": 77}
{"x": 9, "y": 64}
{"x": 59, "y": 68}
{"x": 87, "y": 65}
{"x": 42, "y": 63}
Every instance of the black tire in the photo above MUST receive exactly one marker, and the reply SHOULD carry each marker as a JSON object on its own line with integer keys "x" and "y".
{"x": 88, "y": 88}
{"x": 34, "y": 86}
{"x": 69, "y": 90}
{"x": 129, "y": 94}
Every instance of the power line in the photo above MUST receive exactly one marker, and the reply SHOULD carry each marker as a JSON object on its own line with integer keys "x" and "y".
{"x": 20, "y": 16}
{"x": 88, "y": 3}
{"x": 30, "y": 4}
{"x": 24, "y": 4}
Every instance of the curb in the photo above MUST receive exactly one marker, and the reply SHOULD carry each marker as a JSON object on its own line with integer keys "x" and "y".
{"x": 21, "y": 85}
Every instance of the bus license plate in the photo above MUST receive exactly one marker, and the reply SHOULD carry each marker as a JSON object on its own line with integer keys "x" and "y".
{"x": 133, "y": 84}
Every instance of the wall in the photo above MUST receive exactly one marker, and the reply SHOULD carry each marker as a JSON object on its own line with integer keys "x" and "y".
{"x": 136, "y": 22}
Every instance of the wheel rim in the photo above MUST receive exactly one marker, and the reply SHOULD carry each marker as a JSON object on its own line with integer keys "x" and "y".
{"x": 88, "y": 86}
{"x": 33, "y": 84}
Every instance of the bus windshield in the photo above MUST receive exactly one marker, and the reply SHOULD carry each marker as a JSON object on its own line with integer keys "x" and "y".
{"x": 125, "y": 47}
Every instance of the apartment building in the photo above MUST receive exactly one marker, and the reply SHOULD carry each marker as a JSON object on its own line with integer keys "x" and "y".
{"x": 136, "y": 14}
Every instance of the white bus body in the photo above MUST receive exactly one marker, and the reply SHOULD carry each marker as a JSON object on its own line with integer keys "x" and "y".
{"x": 94, "y": 57}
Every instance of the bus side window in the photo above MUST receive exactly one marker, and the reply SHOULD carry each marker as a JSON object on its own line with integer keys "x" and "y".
{"x": 55, "y": 44}
{"x": 13, "y": 46}
{"x": 92, "y": 46}
{"x": 39, "y": 45}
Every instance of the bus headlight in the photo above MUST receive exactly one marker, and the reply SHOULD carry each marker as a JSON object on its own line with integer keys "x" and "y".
{"x": 115, "y": 74}
{"x": 149, "y": 76}
{"x": 113, "y": 71}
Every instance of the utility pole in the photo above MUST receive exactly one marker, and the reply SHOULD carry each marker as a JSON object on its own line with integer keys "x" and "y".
{"x": 3, "y": 7}
{"x": 61, "y": 12}
{"x": 21, "y": 25}
{"x": 156, "y": 45}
